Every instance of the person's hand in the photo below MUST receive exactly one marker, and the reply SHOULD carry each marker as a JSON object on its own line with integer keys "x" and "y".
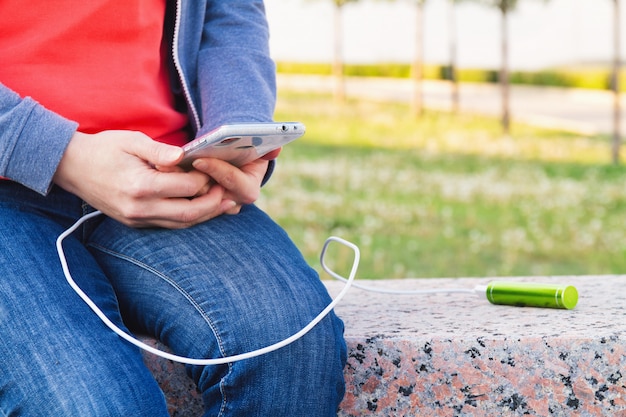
{"x": 135, "y": 180}
{"x": 241, "y": 185}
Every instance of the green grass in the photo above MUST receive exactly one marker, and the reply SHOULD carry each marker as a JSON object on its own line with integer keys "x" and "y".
{"x": 446, "y": 195}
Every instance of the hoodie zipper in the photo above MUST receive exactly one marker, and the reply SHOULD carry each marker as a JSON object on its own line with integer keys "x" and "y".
{"x": 179, "y": 69}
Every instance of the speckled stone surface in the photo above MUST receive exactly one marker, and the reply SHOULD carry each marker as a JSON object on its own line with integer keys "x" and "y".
{"x": 458, "y": 355}
{"x": 183, "y": 400}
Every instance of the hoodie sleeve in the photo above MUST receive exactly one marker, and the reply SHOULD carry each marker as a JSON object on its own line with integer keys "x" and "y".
{"x": 236, "y": 76}
{"x": 32, "y": 141}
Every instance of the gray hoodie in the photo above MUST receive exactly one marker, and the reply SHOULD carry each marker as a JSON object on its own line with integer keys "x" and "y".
{"x": 221, "y": 70}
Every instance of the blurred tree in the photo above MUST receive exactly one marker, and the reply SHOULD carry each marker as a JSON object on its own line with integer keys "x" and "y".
{"x": 505, "y": 7}
{"x": 337, "y": 66}
{"x": 340, "y": 89}
{"x": 417, "y": 66}
{"x": 615, "y": 84}
{"x": 418, "y": 58}
{"x": 452, "y": 69}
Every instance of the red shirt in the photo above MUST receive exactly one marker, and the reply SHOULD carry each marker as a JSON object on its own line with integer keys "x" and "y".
{"x": 100, "y": 63}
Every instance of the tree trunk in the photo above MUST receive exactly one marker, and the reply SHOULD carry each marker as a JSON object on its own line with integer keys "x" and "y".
{"x": 417, "y": 72}
{"x": 504, "y": 74}
{"x": 453, "y": 45}
{"x": 340, "y": 91}
{"x": 616, "y": 145}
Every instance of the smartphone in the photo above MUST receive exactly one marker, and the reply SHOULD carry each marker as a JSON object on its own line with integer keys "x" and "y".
{"x": 241, "y": 143}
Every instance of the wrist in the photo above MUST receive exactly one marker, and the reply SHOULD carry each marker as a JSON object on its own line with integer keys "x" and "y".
{"x": 66, "y": 168}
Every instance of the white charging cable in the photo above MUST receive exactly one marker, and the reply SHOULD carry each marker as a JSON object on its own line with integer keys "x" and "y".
{"x": 216, "y": 361}
{"x": 397, "y": 292}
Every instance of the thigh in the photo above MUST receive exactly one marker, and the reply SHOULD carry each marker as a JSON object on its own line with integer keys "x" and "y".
{"x": 56, "y": 357}
{"x": 228, "y": 286}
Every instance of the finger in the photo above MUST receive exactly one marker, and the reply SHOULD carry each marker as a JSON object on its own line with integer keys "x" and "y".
{"x": 166, "y": 168}
{"x": 234, "y": 180}
{"x": 231, "y": 207}
{"x": 176, "y": 213}
{"x": 272, "y": 154}
{"x": 156, "y": 153}
{"x": 177, "y": 184}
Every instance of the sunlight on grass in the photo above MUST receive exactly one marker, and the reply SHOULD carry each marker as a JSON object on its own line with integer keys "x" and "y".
{"x": 447, "y": 196}
{"x": 389, "y": 125}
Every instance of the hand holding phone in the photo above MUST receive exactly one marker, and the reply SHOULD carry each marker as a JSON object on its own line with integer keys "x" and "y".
{"x": 242, "y": 143}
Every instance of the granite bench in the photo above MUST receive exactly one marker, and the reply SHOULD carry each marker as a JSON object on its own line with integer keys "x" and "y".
{"x": 458, "y": 355}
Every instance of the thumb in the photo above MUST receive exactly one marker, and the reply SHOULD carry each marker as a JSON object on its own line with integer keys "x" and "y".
{"x": 157, "y": 153}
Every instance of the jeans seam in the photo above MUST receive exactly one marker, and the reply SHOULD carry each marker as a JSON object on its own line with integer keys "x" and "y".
{"x": 178, "y": 288}
{"x": 171, "y": 282}
{"x": 223, "y": 391}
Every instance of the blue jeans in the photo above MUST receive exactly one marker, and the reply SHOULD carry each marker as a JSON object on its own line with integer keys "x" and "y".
{"x": 230, "y": 285}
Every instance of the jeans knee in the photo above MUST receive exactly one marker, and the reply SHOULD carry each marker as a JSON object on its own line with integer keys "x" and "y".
{"x": 303, "y": 378}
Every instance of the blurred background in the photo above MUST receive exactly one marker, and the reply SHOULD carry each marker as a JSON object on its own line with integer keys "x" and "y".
{"x": 453, "y": 138}
{"x": 542, "y": 34}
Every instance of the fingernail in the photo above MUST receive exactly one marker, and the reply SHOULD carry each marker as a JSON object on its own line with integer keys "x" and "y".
{"x": 228, "y": 204}
{"x": 199, "y": 164}
{"x": 175, "y": 153}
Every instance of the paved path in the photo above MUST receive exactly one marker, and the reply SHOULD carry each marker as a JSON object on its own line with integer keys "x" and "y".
{"x": 584, "y": 111}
